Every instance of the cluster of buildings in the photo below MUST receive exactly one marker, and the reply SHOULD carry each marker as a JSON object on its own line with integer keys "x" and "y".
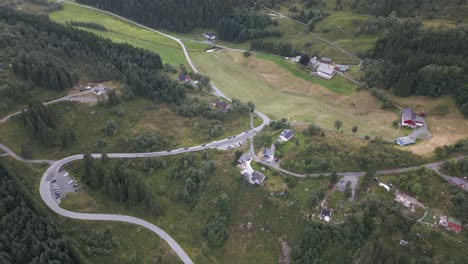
{"x": 324, "y": 67}
{"x": 249, "y": 174}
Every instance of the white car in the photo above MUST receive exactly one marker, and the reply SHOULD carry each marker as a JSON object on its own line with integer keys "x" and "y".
{"x": 70, "y": 182}
{"x": 66, "y": 174}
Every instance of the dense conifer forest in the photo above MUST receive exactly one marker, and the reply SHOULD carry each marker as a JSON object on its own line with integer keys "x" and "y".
{"x": 412, "y": 60}
{"x": 180, "y": 15}
{"x": 26, "y": 236}
{"x": 56, "y": 57}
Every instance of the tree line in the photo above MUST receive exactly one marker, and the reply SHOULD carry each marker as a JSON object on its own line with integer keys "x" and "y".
{"x": 91, "y": 25}
{"x": 27, "y": 236}
{"x": 245, "y": 24}
{"x": 56, "y": 57}
{"x": 180, "y": 16}
{"x": 194, "y": 173}
{"x": 411, "y": 60}
{"x": 449, "y": 9}
{"x": 274, "y": 47}
{"x": 118, "y": 182}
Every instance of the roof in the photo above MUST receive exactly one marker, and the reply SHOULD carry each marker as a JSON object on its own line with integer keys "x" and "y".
{"x": 326, "y": 69}
{"x": 403, "y": 141}
{"x": 407, "y": 114}
{"x": 457, "y": 181}
{"x": 182, "y": 77}
{"x": 326, "y": 212}
{"x": 325, "y": 59}
{"x": 220, "y": 104}
{"x": 454, "y": 221}
{"x": 287, "y": 133}
{"x": 266, "y": 152}
{"x": 257, "y": 177}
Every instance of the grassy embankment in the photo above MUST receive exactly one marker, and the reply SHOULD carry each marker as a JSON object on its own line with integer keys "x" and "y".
{"x": 117, "y": 242}
{"x": 258, "y": 219}
{"x": 134, "y": 117}
{"x": 288, "y": 92}
{"x": 121, "y": 31}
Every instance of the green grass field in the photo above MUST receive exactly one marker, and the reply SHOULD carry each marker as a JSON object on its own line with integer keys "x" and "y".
{"x": 339, "y": 27}
{"x": 289, "y": 92}
{"x": 121, "y": 31}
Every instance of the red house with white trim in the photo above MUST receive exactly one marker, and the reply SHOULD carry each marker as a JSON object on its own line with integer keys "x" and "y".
{"x": 409, "y": 118}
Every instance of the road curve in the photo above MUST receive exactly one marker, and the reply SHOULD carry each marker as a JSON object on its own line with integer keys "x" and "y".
{"x": 44, "y": 190}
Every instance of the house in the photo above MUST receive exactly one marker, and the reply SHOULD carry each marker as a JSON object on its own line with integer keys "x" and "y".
{"x": 326, "y": 71}
{"x": 454, "y": 224}
{"x": 286, "y": 135}
{"x": 210, "y": 37}
{"x": 253, "y": 177}
{"x": 443, "y": 221}
{"x": 257, "y": 177}
{"x": 325, "y": 60}
{"x": 403, "y": 141}
{"x": 221, "y": 105}
{"x": 325, "y": 214}
{"x": 266, "y": 153}
{"x": 183, "y": 78}
{"x": 409, "y": 118}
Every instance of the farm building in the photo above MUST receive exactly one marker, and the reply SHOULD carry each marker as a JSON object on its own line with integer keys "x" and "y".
{"x": 209, "y": 36}
{"x": 341, "y": 67}
{"x": 221, "y": 105}
{"x": 325, "y": 60}
{"x": 457, "y": 182}
{"x": 454, "y": 224}
{"x": 266, "y": 153}
{"x": 286, "y": 135}
{"x": 325, "y": 214}
{"x": 410, "y": 119}
{"x": 403, "y": 141}
{"x": 183, "y": 77}
{"x": 326, "y": 71}
{"x": 253, "y": 177}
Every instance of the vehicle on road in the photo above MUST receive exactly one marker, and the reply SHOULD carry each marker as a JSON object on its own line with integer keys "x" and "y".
{"x": 66, "y": 174}
{"x": 169, "y": 150}
{"x": 203, "y": 145}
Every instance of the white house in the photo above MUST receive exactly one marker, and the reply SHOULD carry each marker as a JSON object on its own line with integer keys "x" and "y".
{"x": 286, "y": 135}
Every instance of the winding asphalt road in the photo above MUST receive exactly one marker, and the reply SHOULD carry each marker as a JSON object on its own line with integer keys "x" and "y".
{"x": 49, "y": 174}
